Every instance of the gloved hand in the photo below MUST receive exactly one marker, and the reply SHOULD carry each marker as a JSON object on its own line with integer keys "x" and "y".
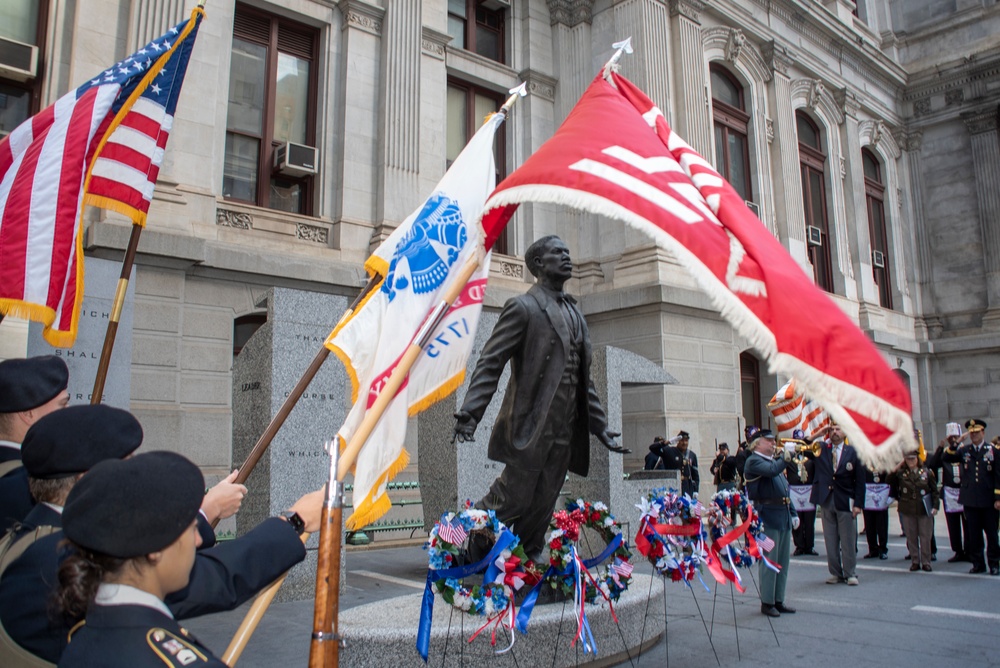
{"x": 795, "y": 522}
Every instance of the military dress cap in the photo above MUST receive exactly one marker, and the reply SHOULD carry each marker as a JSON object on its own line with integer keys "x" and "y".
{"x": 683, "y": 434}
{"x": 74, "y": 439}
{"x": 29, "y": 383}
{"x": 128, "y": 508}
{"x": 975, "y": 425}
{"x": 761, "y": 433}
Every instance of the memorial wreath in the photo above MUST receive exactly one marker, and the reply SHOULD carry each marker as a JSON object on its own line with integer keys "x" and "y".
{"x": 724, "y": 509}
{"x": 670, "y": 534}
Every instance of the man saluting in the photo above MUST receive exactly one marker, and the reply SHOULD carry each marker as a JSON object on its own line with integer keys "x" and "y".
{"x": 550, "y": 408}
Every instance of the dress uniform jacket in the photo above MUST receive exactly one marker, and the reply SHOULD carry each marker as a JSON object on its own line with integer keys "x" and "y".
{"x": 950, "y": 476}
{"x": 133, "y": 636}
{"x": 845, "y": 484}
{"x": 909, "y": 486}
{"x": 222, "y": 578}
{"x": 15, "y": 498}
{"x": 532, "y": 333}
{"x": 979, "y": 474}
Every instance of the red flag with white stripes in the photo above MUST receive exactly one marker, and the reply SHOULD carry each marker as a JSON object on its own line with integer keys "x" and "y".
{"x": 616, "y": 156}
{"x": 101, "y": 144}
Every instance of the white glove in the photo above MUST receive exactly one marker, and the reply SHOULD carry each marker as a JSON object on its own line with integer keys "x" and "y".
{"x": 795, "y": 522}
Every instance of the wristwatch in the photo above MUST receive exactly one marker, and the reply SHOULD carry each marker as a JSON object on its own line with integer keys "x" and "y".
{"x": 294, "y": 519}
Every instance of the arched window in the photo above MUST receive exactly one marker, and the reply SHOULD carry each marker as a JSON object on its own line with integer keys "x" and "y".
{"x": 244, "y": 327}
{"x": 875, "y": 198}
{"x": 812, "y": 161}
{"x": 750, "y": 388}
{"x": 732, "y": 148}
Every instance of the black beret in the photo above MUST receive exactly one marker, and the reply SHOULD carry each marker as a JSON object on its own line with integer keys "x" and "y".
{"x": 29, "y": 383}
{"x": 975, "y": 425}
{"x": 127, "y": 508}
{"x": 74, "y": 439}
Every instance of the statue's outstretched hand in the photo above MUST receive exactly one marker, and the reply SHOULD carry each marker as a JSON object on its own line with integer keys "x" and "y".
{"x": 465, "y": 428}
{"x": 607, "y": 439}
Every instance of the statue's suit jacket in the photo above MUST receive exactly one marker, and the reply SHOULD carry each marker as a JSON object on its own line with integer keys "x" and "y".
{"x": 533, "y": 335}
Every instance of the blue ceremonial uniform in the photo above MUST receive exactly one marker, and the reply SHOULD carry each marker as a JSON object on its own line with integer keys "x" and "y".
{"x": 222, "y": 578}
{"x": 136, "y": 636}
{"x": 15, "y": 498}
{"x": 980, "y": 488}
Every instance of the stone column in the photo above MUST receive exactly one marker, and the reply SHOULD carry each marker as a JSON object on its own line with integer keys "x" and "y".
{"x": 982, "y": 127}
{"x": 152, "y": 18}
{"x": 649, "y": 25}
{"x": 399, "y": 114}
{"x": 857, "y": 246}
{"x": 785, "y": 155}
{"x": 571, "y": 51}
{"x": 912, "y": 174}
{"x": 358, "y": 108}
{"x": 692, "y": 118}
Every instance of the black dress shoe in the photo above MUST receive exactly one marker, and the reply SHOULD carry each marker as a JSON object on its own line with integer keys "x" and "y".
{"x": 769, "y": 610}
{"x": 883, "y": 556}
{"x": 870, "y": 555}
{"x": 994, "y": 570}
{"x": 813, "y": 553}
{"x": 914, "y": 567}
{"x": 798, "y": 552}
{"x": 977, "y": 569}
{"x": 956, "y": 558}
{"x": 784, "y": 609}
{"x": 933, "y": 557}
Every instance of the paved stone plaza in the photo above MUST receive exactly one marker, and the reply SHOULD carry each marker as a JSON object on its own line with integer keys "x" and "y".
{"x": 894, "y": 619}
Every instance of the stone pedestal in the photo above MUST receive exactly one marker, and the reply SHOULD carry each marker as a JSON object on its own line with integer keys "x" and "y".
{"x": 84, "y": 356}
{"x": 264, "y": 373}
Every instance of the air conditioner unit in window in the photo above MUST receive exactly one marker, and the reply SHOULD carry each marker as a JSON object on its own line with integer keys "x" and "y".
{"x": 293, "y": 159}
{"x": 815, "y": 235}
{"x": 753, "y": 206}
{"x": 18, "y": 61}
{"x": 878, "y": 259}
{"x": 496, "y": 4}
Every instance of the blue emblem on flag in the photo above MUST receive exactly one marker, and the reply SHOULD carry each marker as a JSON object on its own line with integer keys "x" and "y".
{"x": 430, "y": 248}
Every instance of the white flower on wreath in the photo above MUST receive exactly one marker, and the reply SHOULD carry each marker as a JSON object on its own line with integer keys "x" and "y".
{"x": 599, "y": 506}
{"x": 558, "y": 533}
{"x": 580, "y": 503}
{"x": 609, "y": 521}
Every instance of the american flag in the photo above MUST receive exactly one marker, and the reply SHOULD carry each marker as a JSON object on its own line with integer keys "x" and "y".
{"x": 452, "y": 532}
{"x": 101, "y": 144}
{"x": 621, "y": 568}
{"x": 765, "y": 543}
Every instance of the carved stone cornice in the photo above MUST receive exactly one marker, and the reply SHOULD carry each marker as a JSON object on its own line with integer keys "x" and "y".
{"x": 433, "y": 42}
{"x": 737, "y": 40}
{"x": 777, "y": 57}
{"x": 570, "y": 13}
{"x": 362, "y": 15}
{"x": 908, "y": 140}
{"x": 848, "y": 102}
{"x": 539, "y": 84}
{"x": 238, "y": 219}
{"x": 979, "y": 122}
{"x": 689, "y": 9}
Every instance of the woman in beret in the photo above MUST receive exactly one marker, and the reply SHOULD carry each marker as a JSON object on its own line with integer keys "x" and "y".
{"x": 132, "y": 527}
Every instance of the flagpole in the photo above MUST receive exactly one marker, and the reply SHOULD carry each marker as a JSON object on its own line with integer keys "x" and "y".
{"x": 116, "y": 313}
{"x": 624, "y": 46}
{"x": 324, "y": 648}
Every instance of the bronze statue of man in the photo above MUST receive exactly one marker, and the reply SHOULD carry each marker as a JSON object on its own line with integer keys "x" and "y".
{"x": 550, "y": 408}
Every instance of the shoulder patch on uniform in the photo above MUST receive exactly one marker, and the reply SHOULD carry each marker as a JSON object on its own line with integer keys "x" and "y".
{"x": 174, "y": 650}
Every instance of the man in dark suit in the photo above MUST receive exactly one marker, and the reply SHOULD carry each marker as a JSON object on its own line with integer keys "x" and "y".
{"x": 839, "y": 492}
{"x": 767, "y": 488}
{"x": 550, "y": 408}
{"x": 979, "y": 495}
{"x": 29, "y": 389}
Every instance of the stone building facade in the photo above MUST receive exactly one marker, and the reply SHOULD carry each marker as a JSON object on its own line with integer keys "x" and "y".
{"x": 863, "y": 133}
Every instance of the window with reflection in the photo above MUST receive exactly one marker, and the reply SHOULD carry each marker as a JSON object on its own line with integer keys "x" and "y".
{"x": 477, "y": 26}
{"x": 731, "y": 120}
{"x": 812, "y": 163}
{"x": 468, "y": 107}
{"x": 875, "y": 199}
{"x": 22, "y": 26}
{"x": 272, "y": 100}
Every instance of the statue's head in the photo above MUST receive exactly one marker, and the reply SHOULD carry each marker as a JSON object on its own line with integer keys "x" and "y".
{"x": 549, "y": 256}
